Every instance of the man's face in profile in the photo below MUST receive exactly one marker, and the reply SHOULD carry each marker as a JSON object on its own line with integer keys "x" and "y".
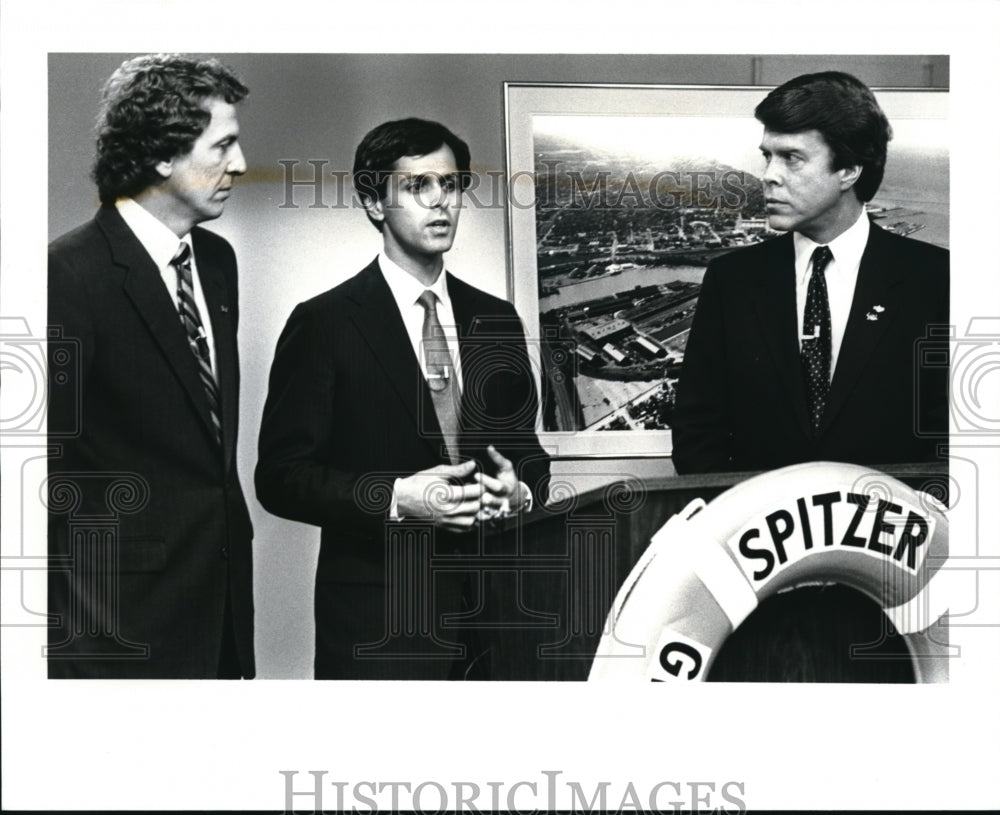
{"x": 200, "y": 180}
{"x": 802, "y": 191}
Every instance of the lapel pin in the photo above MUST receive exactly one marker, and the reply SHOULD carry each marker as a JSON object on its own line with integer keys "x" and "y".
{"x": 878, "y": 309}
{"x": 870, "y": 316}
{"x": 225, "y": 309}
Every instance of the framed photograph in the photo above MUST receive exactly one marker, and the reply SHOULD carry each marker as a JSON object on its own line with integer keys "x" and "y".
{"x": 619, "y": 197}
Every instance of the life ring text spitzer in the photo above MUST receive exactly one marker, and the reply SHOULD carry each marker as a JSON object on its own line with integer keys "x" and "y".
{"x": 710, "y": 565}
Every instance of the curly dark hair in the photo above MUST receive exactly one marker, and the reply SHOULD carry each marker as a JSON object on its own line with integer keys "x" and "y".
{"x": 845, "y": 112}
{"x": 152, "y": 110}
{"x": 383, "y": 146}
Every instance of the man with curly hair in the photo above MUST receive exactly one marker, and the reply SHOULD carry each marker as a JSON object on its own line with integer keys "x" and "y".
{"x": 162, "y": 586}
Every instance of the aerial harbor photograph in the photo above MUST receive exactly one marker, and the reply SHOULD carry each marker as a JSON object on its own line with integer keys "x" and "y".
{"x": 625, "y": 225}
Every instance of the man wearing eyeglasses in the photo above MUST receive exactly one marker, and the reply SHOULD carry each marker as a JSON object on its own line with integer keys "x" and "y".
{"x": 402, "y": 396}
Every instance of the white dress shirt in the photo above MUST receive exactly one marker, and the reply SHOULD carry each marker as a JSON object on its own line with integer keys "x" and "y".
{"x": 162, "y": 244}
{"x": 841, "y": 278}
{"x": 406, "y": 291}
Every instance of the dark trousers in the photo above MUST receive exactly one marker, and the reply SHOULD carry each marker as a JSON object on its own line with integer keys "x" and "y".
{"x": 365, "y": 631}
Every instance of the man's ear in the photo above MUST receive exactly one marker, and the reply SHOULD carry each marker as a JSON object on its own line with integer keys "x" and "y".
{"x": 849, "y": 176}
{"x": 375, "y": 209}
{"x": 165, "y": 168}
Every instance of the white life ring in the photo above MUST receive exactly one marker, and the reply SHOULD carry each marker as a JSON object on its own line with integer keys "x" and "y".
{"x": 709, "y": 566}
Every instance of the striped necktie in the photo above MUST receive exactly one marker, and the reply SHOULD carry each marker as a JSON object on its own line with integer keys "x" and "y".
{"x": 191, "y": 320}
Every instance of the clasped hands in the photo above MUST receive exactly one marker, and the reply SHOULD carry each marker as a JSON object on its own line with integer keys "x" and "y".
{"x": 458, "y": 496}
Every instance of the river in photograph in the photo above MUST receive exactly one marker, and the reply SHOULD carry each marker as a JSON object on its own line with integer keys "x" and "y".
{"x": 609, "y": 285}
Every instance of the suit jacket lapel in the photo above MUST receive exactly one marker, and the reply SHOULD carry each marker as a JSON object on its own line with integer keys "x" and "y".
{"x": 465, "y": 314}
{"x": 379, "y": 322}
{"x": 878, "y": 285}
{"x": 217, "y": 300}
{"x": 772, "y": 290}
{"x": 144, "y": 287}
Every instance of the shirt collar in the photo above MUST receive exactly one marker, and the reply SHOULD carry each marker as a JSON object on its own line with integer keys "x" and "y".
{"x": 406, "y": 289}
{"x": 156, "y": 238}
{"x": 847, "y": 247}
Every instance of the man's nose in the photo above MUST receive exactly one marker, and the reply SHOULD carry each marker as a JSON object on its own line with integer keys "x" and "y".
{"x": 772, "y": 174}
{"x": 237, "y": 162}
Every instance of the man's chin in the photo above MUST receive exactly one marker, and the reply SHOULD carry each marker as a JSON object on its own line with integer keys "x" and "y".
{"x": 780, "y": 223}
{"x": 210, "y": 213}
{"x": 440, "y": 246}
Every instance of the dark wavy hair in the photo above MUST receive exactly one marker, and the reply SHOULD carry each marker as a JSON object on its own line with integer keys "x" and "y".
{"x": 383, "y": 146}
{"x": 152, "y": 110}
{"x": 844, "y": 110}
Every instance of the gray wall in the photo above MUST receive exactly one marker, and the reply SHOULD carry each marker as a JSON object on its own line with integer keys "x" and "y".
{"x": 317, "y": 107}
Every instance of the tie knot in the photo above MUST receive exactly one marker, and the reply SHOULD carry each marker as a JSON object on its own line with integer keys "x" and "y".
{"x": 182, "y": 256}
{"x": 821, "y": 258}
{"x": 428, "y": 300}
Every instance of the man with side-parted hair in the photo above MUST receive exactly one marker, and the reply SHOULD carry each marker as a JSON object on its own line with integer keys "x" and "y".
{"x": 808, "y": 347}
{"x": 149, "y": 533}
{"x": 400, "y": 415}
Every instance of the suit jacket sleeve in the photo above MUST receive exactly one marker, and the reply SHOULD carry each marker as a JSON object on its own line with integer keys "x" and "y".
{"x": 295, "y": 477}
{"x": 69, "y": 313}
{"x": 933, "y": 379}
{"x": 700, "y": 428}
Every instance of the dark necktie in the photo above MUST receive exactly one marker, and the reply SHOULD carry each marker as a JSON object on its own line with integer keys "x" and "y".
{"x": 191, "y": 320}
{"x": 816, "y": 344}
{"x": 441, "y": 375}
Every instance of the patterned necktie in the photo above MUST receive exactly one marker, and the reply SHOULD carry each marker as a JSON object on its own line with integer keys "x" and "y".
{"x": 816, "y": 347}
{"x": 441, "y": 375}
{"x": 191, "y": 320}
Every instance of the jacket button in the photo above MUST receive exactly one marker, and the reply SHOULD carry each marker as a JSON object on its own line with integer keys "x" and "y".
{"x": 225, "y": 552}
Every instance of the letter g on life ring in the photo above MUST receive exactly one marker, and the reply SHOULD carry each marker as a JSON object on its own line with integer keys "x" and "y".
{"x": 709, "y": 566}
{"x": 673, "y": 666}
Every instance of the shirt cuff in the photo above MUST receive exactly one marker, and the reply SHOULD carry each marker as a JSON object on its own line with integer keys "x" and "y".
{"x": 529, "y": 499}
{"x": 526, "y": 506}
{"x": 394, "y": 506}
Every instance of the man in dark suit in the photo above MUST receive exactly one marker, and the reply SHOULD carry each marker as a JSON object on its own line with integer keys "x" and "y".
{"x": 149, "y": 535}
{"x": 387, "y": 394}
{"x": 810, "y": 346}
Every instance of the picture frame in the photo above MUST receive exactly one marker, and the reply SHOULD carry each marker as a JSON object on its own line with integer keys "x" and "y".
{"x": 618, "y": 186}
